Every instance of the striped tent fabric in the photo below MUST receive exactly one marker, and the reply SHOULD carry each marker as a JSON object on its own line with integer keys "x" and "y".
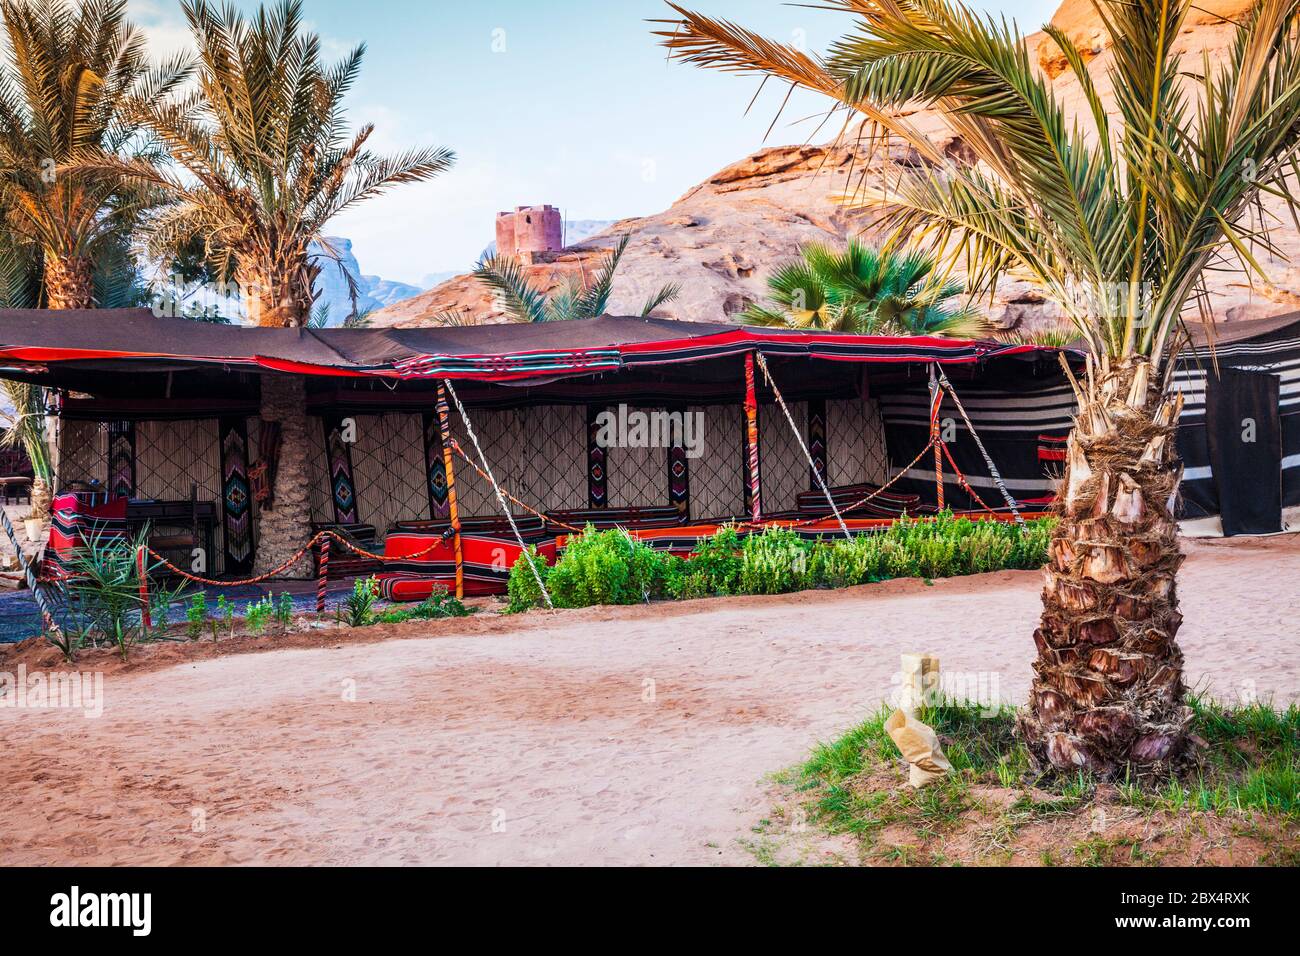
{"x": 1022, "y": 430}
{"x": 1274, "y": 348}
{"x": 78, "y": 517}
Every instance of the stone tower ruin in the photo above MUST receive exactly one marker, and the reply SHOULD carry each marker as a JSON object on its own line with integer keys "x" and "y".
{"x": 530, "y": 232}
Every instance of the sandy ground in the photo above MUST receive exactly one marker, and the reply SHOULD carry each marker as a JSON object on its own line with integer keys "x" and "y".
{"x": 617, "y": 736}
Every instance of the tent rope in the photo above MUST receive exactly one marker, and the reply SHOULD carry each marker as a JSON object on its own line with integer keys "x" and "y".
{"x": 993, "y": 469}
{"x": 523, "y": 548}
{"x": 29, "y": 572}
{"x": 812, "y": 465}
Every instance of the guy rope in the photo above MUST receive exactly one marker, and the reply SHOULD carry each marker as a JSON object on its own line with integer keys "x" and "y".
{"x": 993, "y": 469}
{"x": 469, "y": 430}
{"x": 29, "y": 572}
{"x": 812, "y": 466}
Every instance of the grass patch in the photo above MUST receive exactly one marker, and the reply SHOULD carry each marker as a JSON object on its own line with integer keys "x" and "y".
{"x": 1240, "y": 803}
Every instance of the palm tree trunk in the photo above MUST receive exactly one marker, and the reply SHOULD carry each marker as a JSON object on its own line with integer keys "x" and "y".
{"x": 273, "y": 301}
{"x": 1108, "y": 687}
{"x": 286, "y": 526}
{"x": 69, "y": 282}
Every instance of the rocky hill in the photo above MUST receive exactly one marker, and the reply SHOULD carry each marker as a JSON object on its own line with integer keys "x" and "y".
{"x": 721, "y": 239}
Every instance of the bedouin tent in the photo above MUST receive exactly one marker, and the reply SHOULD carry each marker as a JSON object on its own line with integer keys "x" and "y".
{"x": 161, "y": 420}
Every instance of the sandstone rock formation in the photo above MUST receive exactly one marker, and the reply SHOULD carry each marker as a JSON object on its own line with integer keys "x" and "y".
{"x": 721, "y": 239}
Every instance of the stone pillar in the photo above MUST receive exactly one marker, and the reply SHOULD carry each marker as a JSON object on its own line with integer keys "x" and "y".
{"x": 286, "y": 525}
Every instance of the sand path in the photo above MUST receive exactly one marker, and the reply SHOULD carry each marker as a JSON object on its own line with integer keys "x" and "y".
{"x": 620, "y": 736}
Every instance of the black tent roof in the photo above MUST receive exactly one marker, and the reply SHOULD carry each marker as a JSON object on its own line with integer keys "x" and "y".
{"x": 125, "y": 339}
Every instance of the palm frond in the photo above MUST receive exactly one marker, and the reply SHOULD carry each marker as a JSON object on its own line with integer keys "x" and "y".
{"x": 661, "y": 297}
{"x": 515, "y": 294}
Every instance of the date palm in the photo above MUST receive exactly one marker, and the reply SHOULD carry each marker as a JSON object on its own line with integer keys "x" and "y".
{"x": 267, "y": 157}
{"x": 266, "y": 161}
{"x": 868, "y": 291}
{"x": 71, "y": 72}
{"x": 67, "y": 77}
{"x": 1116, "y": 214}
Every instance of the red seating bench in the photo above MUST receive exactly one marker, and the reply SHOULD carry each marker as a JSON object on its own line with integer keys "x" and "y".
{"x": 431, "y": 560}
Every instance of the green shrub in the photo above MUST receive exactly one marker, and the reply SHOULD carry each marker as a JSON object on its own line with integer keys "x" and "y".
{"x": 258, "y": 613}
{"x": 102, "y": 595}
{"x": 226, "y": 612}
{"x": 774, "y": 561}
{"x": 438, "y": 604}
{"x": 597, "y": 567}
{"x": 358, "y": 608}
{"x": 196, "y": 615}
{"x": 521, "y": 587}
{"x": 713, "y": 570}
{"x": 608, "y": 567}
{"x": 284, "y": 610}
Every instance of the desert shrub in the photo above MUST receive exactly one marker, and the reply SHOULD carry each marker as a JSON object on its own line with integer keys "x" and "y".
{"x": 842, "y": 564}
{"x": 438, "y": 604}
{"x": 196, "y": 615}
{"x": 607, "y": 567}
{"x": 102, "y": 594}
{"x": 257, "y": 613}
{"x": 521, "y": 587}
{"x": 713, "y": 570}
{"x": 597, "y": 567}
{"x": 774, "y": 561}
{"x": 284, "y": 610}
{"x": 358, "y": 608}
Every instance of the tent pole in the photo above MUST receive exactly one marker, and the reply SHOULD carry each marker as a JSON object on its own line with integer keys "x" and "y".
{"x": 751, "y": 436}
{"x": 444, "y": 426}
{"x": 936, "y": 401}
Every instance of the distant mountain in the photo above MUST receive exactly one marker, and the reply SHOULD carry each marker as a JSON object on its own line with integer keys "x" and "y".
{"x": 373, "y": 292}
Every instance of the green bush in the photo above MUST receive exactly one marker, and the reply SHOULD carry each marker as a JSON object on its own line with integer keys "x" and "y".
{"x": 713, "y": 570}
{"x": 607, "y": 567}
{"x": 597, "y": 567}
{"x": 521, "y": 587}
{"x": 438, "y": 604}
{"x": 358, "y": 608}
{"x": 196, "y": 615}
{"x": 774, "y": 561}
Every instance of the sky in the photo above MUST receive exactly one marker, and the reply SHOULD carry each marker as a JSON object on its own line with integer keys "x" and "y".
{"x": 567, "y": 102}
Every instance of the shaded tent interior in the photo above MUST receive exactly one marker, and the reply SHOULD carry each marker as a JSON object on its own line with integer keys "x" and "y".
{"x": 153, "y": 406}
{"x": 1239, "y": 437}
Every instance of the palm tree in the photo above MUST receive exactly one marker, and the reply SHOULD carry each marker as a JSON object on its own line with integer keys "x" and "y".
{"x": 1117, "y": 216}
{"x": 267, "y": 162}
{"x": 68, "y": 76}
{"x": 268, "y": 156}
{"x": 524, "y": 302}
{"x": 860, "y": 289}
